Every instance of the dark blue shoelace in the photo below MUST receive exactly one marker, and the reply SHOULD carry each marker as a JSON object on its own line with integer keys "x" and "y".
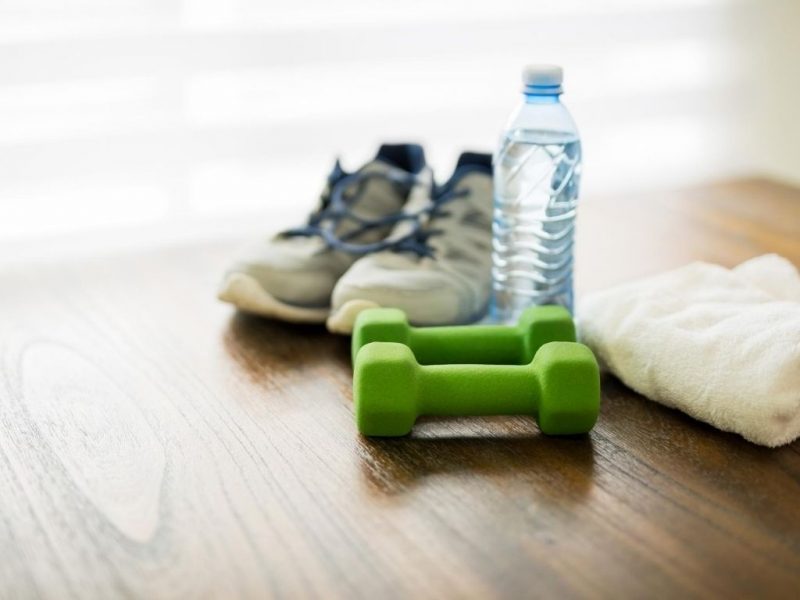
{"x": 417, "y": 241}
{"x": 337, "y": 206}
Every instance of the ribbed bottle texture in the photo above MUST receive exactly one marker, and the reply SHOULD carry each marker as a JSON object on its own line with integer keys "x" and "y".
{"x": 536, "y": 177}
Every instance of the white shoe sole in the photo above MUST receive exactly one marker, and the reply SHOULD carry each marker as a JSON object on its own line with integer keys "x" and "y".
{"x": 245, "y": 293}
{"x": 341, "y": 321}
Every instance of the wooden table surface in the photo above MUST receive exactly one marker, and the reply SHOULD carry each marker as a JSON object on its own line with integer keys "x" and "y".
{"x": 155, "y": 445}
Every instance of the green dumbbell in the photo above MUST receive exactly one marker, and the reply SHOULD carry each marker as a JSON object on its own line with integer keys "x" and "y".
{"x": 488, "y": 344}
{"x": 560, "y": 388}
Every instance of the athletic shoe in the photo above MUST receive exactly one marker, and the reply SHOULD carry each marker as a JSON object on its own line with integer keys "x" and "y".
{"x": 291, "y": 275}
{"x": 439, "y": 269}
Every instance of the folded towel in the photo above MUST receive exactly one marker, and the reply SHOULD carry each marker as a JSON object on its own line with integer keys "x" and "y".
{"x": 721, "y": 345}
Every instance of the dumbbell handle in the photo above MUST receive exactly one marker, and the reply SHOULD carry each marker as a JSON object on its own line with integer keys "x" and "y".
{"x": 466, "y": 344}
{"x": 504, "y": 344}
{"x": 463, "y": 390}
{"x": 560, "y": 388}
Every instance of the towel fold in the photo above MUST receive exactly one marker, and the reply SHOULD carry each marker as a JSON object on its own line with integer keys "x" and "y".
{"x": 722, "y": 345}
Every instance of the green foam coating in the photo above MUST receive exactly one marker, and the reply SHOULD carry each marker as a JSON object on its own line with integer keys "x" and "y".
{"x": 560, "y": 388}
{"x": 485, "y": 344}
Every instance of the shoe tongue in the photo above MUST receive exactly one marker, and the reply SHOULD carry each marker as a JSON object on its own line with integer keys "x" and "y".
{"x": 478, "y": 160}
{"x": 468, "y": 163}
{"x": 407, "y": 157}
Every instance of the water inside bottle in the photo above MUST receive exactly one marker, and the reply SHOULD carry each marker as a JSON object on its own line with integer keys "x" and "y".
{"x": 536, "y": 179}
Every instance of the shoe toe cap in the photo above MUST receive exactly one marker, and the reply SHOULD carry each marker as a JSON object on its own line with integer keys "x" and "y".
{"x": 427, "y": 297}
{"x": 290, "y": 275}
{"x": 302, "y": 288}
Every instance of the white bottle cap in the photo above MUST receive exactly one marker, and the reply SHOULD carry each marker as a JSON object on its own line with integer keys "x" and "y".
{"x": 545, "y": 79}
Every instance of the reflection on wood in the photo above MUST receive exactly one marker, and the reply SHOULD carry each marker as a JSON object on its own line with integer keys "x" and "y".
{"x": 154, "y": 445}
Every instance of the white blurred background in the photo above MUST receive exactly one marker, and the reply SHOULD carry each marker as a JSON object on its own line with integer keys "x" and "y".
{"x": 137, "y": 121}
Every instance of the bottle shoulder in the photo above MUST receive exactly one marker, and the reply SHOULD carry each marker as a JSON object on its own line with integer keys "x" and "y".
{"x": 548, "y": 120}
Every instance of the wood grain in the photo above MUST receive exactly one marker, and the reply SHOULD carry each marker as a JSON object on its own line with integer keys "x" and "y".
{"x": 154, "y": 445}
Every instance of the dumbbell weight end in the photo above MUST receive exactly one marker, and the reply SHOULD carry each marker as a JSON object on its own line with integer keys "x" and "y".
{"x": 473, "y": 344}
{"x": 560, "y": 388}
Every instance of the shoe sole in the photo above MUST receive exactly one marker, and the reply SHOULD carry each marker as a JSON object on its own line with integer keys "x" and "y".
{"x": 342, "y": 320}
{"x": 245, "y": 293}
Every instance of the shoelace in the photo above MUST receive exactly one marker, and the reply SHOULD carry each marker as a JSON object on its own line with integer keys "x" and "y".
{"x": 337, "y": 207}
{"x": 418, "y": 240}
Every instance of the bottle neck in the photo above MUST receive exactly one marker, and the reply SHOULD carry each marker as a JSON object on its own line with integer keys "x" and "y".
{"x": 539, "y": 98}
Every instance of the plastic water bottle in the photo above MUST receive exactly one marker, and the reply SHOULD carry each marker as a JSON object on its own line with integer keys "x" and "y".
{"x": 537, "y": 171}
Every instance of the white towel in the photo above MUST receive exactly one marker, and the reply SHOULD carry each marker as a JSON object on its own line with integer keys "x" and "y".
{"x": 721, "y": 345}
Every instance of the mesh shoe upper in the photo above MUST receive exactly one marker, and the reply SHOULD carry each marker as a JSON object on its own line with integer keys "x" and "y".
{"x": 300, "y": 267}
{"x": 446, "y": 280}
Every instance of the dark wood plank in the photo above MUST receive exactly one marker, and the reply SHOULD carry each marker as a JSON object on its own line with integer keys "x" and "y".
{"x": 155, "y": 445}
